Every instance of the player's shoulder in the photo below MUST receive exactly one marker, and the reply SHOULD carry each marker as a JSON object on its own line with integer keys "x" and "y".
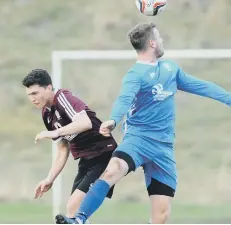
{"x": 139, "y": 68}
{"x": 60, "y": 96}
{"x": 133, "y": 73}
{"x": 63, "y": 92}
{"x": 67, "y": 97}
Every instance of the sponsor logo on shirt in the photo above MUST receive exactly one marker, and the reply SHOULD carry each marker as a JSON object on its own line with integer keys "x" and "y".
{"x": 159, "y": 94}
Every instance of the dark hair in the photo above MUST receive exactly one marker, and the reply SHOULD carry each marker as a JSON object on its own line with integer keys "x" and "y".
{"x": 140, "y": 34}
{"x": 37, "y": 76}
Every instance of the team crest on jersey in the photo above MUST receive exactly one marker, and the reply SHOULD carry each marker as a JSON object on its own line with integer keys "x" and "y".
{"x": 58, "y": 115}
{"x": 159, "y": 94}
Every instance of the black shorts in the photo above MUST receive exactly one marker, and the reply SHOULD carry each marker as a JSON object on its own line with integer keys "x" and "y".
{"x": 90, "y": 170}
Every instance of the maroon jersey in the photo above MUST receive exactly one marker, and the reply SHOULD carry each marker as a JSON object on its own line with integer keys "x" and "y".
{"x": 65, "y": 107}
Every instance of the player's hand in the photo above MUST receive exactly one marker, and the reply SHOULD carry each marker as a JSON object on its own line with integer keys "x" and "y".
{"x": 107, "y": 127}
{"x": 42, "y": 187}
{"x": 46, "y": 134}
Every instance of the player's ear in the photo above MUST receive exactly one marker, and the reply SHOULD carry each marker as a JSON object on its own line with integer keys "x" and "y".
{"x": 49, "y": 87}
{"x": 152, "y": 43}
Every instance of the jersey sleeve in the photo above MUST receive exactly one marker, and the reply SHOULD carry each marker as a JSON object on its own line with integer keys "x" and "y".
{"x": 188, "y": 83}
{"x": 130, "y": 87}
{"x": 70, "y": 104}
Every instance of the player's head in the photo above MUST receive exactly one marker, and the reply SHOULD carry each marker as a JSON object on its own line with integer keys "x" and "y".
{"x": 145, "y": 37}
{"x": 39, "y": 88}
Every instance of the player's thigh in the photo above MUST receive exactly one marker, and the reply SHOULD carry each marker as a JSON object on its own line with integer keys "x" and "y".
{"x": 90, "y": 171}
{"x": 79, "y": 177}
{"x": 129, "y": 151}
{"x": 160, "y": 164}
{"x": 116, "y": 169}
{"x": 159, "y": 180}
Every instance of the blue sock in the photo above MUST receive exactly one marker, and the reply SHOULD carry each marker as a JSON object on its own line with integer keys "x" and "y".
{"x": 94, "y": 198}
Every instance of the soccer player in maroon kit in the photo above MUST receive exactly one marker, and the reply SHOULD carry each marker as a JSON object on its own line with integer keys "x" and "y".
{"x": 75, "y": 128}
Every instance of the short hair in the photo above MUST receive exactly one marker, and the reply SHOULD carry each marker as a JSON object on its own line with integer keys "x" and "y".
{"x": 37, "y": 76}
{"x": 140, "y": 34}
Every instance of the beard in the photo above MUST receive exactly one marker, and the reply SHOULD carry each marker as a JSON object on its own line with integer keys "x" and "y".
{"x": 159, "y": 52}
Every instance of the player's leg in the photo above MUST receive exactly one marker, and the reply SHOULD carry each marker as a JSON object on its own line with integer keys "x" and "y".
{"x": 89, "y": 172}
{"x": 92, "y": 170}
{"x": 77, "y": 195}
{"x": 116, "y": 169}
{"x": 120, "y": 165}
{"x": 160, "y": 177}
{"x": 160, "y": 197}
{"x": 122, "y": 162}
{"x": 161, "y": 189}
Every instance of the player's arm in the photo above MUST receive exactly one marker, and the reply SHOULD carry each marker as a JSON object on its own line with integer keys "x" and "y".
{"x": 73, "y": 108}
{"x": 57, "y": 166}
{"x": 81, "y": 122}
{"x": 196, "y": 86}
{"x": 130, "y": 87}
{"x": 60, "y": 160}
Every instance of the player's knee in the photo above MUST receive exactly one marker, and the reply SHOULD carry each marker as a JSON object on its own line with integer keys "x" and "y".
{"x": 116, "y": 169}
{"x": 160, "y": 216}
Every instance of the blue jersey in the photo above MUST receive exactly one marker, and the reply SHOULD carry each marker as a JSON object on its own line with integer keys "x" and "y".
{"x": 147, "y": 97}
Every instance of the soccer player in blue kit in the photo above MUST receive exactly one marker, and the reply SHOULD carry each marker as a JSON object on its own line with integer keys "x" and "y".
{"x": 147, "y": 97}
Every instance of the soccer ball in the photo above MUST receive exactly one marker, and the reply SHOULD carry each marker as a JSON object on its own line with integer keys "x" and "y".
{"x": 151, "y": 7}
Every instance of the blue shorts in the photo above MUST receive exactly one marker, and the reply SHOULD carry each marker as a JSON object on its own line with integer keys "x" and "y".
{"x": 156, "y": 158}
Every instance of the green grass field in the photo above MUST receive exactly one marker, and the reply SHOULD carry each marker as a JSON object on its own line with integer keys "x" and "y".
{"x": 25, "y": 212}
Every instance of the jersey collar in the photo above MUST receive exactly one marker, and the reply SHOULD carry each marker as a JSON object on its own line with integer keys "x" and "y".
{"x": 147, "y": 63}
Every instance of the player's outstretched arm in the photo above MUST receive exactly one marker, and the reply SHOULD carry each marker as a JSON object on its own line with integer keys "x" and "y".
{"x": 196, "y": 86}
{"x": 130, "y": 87}
{"x": 81, "y": 122}
{"x": 57, "y": 166}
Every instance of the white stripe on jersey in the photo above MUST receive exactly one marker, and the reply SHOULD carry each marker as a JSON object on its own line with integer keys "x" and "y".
{"x": 66, "y": 109}
{"x": 68, "y": 103}
{"x": 70, "y": 137}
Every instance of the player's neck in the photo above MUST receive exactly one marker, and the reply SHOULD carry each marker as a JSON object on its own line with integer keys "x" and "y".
{"x": 51, "y": 100}
{"x": 146, "y": 58}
